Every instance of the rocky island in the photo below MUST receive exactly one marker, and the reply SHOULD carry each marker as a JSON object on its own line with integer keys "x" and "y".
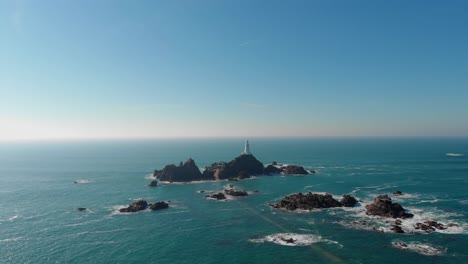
{"x": 244, "y": 166}
{"x": 312, "y": 201}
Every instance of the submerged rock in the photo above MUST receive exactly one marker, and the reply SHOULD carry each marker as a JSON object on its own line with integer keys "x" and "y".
{"x": 348, "y": 201}
{"x": 397, "y": 193}
{"x": 383, "y": 206}
{"x": 159, "y": 205}
{"x": 81, "y": 209}
{"x": 217, "y": 196}
{"x": 185, "y": 172}
{"x": 135, "y": 207}
{"x": 308, "y": 201}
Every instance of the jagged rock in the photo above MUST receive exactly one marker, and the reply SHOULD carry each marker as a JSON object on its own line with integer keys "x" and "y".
{"x": 383, "y": 206}
{"x": 308, "y": 201}
{"x": 288, "y": 240}
{"x": 293, "y": 169}
{"x": 424, "y": 227}
{"x": 81, "y": 209}
{"x": 153, "y": 183}
{"x": 271, "y": 169}
{"x": 135, "y": 207}
{"x": 398, "y": 222}
{"x": 159, "y": 205}
{"x": 274, "y": 163}
{"x": 185, "y": 172}
{"x": 397, "y": 193}
{"x": 217, "y": 196}
{"x": 397, "y": 229}
{"x": 234, "y": 192}
{"x": 348, "y": 201}
{"x": 435, "y": 225}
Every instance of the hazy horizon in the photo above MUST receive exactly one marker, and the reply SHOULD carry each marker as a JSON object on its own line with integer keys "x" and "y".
{"x": 232, "y": 69}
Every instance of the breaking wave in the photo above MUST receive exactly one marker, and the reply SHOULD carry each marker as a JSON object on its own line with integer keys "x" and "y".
{"x": 420, "y": 248}
{"x": 293, "y": 239}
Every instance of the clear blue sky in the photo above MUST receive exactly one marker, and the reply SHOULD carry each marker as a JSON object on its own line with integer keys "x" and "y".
{"x": 211, "y": 68}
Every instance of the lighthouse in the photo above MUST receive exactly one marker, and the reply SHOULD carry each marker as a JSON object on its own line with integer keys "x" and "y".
{"x": 246, "y": 148}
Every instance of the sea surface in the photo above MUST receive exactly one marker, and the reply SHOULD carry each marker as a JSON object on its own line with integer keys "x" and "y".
{"x": 39, "y": 222}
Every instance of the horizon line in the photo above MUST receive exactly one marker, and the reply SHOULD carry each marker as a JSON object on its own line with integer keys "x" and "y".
{"x": 57, "y": 140}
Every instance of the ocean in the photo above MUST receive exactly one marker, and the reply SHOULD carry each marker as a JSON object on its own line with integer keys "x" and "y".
{"x": 39, "y": 222}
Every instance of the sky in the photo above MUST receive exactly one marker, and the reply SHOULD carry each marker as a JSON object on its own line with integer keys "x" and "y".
{"x": 111, "y": 69}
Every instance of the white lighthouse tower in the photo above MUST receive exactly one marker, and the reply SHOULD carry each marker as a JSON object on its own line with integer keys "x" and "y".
{"x": 247, "y": 148}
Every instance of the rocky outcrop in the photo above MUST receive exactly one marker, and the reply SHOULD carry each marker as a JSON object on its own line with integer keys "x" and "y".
{"x": 272, "y": 169}
{"x": 397, "y": 229}
{"x": 244, "y": 166}
{"x": 217, "y": 196}
{"x": 348, "y": 201}
{"x": 307, "y": 201}
{"x": 153, "y": 183}
{"x": 383, "y": 206}
{"x": 294, "y": 170}
{"x": 159, "y": 206}
{"x": 397, "y": 193}
{"x": 430, "y": 226}
{"x": 234, "y": 192}
{"x": 185, "y": 172}
{"x": 81, "y": 209}
{"x": 135, "y": 207}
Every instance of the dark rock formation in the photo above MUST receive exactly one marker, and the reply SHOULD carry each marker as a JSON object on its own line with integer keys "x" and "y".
{"x": 308, "y": 201}
{"x": 293, "y": 169}
{"x": 234, "y": 192}
{"x": 398, "y": 222}
{"x": 240, "y": 166}
{"x": 159, "y": 205}
{"x": 185, "y": 172}
{"x": 217, "y": 196}
{"x": 397, "y": 193}
{"x": 348, "y": 201}
{"x": 383, "y": 206}
{"x": 271, "y": 169}
{"x": 153, "y": 183}
{"x": 81, "y": 209}
{"x": 430, "y": 226}
{"x": 135, "y": 207}
{"x": 397, "y": 229}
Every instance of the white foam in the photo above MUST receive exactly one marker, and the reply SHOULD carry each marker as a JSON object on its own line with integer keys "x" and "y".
{"x": 83, "y": 181}
{"x": 12, "y": 218}
{"x": 150, "y": 177}
{"x": 455, "y": 154}
{"x": 13, "y": 239}
{"x": 360, "y": 220}
{"x": 298, "y": 239}
{"x": 420, "y": 248}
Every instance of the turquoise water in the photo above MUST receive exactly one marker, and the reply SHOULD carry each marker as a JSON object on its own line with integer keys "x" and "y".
{"x": 39, "y": 224}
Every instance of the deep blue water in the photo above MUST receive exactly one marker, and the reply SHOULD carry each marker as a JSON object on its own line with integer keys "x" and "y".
{"x": 39, "y": 223}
